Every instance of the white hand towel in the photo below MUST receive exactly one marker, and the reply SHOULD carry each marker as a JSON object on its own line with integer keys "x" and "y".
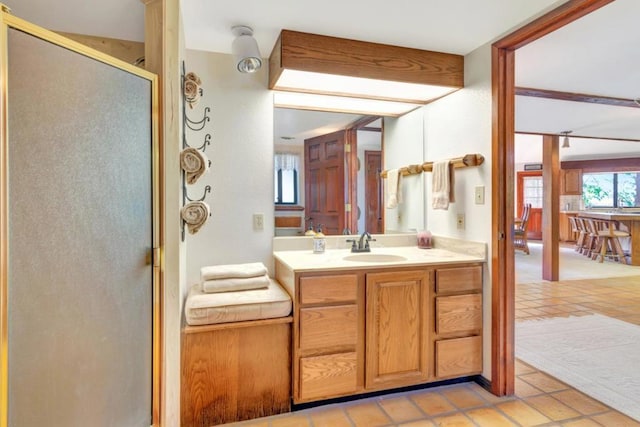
{"x": 232, "y": 271}
{"x": 394, "y": 190}
{"x": 235, "y": 284}
{"x": 442, "y": 185}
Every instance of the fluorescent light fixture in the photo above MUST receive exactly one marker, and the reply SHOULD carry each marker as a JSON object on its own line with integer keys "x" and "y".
{"x": 342, "y": 104}
{"x": 362, "y": 87}
{"x": 348, "y": 72}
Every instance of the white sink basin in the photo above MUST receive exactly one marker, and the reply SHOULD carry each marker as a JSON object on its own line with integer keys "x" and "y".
{"x": 369, "y": 257}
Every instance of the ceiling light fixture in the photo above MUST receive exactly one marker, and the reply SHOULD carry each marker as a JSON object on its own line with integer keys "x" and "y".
{"x": 329, "y": 74}
{"x": 565, "y": 141}
{"x": 245, "y": 49}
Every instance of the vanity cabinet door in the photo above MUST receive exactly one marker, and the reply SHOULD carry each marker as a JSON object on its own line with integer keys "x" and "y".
{"x": 397, "y": 328}
{"x": 458, "y": 357}
{"x": 328, "y": 376}
{"x": 459, "y": 314}
{"x": 326, "y": 327}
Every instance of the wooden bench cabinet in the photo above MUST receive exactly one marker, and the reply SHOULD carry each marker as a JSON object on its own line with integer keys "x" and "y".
{"x": 235, "y": 371}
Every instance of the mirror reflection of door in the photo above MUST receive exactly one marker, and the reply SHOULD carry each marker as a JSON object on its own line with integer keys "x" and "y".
{"x": 324, "y": 167}
{"x": 531, "y": 190}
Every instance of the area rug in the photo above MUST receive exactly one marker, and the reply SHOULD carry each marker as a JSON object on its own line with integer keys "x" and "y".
{"x": 595, "y": 354}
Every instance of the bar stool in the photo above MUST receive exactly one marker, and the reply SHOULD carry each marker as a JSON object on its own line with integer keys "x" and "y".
{"x": 609, "y": 241}
{"x": 577, "y": 227}
{"x": 590, "y": 238}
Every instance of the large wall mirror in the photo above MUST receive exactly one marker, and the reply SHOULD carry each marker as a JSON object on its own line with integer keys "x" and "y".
{"x": 320, "y": 183}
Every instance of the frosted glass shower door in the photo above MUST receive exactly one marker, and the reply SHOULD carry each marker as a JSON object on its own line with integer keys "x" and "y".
{"x": 80, "y": 221}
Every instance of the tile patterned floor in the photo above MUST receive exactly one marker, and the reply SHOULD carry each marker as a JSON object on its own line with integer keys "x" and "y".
{"x": 539, "y": 400}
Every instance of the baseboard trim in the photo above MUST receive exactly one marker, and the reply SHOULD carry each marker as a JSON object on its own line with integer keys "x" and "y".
{"x": 343, "y": 399}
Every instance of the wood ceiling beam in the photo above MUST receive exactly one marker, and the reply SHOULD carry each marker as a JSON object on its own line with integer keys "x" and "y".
{"x": 576, "y": 97}
{"x": 577, "y": 136}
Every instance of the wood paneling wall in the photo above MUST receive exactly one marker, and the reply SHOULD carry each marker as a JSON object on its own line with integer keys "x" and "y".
{"x": 128, "y": 51}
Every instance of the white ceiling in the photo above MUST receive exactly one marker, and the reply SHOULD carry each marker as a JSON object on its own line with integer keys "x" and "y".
{"x": 454, "y": 26}
{"x": 597, "y": 54}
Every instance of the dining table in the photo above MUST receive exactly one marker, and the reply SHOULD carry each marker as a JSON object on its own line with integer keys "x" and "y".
{"x": 631, "y": 219}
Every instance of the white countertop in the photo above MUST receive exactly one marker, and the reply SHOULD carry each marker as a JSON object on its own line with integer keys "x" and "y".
{"x": 334, "y": 259}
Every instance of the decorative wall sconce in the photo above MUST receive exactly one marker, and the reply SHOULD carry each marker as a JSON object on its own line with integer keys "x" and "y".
{"x": 324, "y": 73}
{"x": 245, "y": 50}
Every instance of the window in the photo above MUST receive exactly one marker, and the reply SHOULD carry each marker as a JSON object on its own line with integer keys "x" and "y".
{"x": 533, "y": 191}
{"x": 611, "y": 189}
{"x": 286, "y": 178}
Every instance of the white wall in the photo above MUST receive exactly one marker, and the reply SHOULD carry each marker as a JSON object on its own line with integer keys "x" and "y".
{"x": 403, "y": 145}
{"x": 456, "y": 125}
{"x": 241, "y": 175}
{"x": 367, "y": 141}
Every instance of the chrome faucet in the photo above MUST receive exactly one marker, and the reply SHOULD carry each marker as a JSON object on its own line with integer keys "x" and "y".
{"x": 361, "y": 245}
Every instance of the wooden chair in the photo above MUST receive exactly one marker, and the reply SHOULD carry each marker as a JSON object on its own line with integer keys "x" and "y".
{"x": 520, "y": 230}
{"x": 578, "y": 228}
{"x": 608, "y": 243}
{"x": 591, "y": 236}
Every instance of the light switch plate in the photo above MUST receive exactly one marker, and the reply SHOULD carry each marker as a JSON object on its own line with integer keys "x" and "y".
{"x": 460, "y": 221}
{"x": 480, "y": 195}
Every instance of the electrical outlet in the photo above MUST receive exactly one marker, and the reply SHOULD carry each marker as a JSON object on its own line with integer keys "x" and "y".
{"x": 460, "y": 221}
{"x": 258, "y": 221}
{"x": 480, "y": 195}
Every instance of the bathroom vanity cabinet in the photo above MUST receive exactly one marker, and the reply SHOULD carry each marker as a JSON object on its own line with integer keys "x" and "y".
{"x": 380, "y": 327}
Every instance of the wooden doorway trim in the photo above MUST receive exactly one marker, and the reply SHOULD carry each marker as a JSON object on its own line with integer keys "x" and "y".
{"x": 502, "y": 171}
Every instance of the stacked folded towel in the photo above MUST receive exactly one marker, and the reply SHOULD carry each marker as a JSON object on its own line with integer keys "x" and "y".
{"x": 234, "y": 277}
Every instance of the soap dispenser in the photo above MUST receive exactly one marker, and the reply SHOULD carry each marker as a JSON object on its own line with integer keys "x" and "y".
{"x": 319, "y": 242}
{"x": 310, "y": 231}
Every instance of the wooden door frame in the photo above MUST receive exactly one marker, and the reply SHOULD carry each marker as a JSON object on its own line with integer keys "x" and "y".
{"x": 351, "y": 192}
{"x": 502, "y": 182}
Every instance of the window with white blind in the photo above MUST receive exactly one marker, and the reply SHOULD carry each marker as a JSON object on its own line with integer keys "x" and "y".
{"x": 286, "y": 167}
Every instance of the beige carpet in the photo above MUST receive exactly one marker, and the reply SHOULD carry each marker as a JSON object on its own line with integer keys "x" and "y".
{"x": 595, "y": 354}
{"x": 572, "y": 266}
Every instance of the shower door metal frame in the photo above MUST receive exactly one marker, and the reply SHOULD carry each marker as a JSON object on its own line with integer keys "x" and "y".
{"x": 8, "y": 21}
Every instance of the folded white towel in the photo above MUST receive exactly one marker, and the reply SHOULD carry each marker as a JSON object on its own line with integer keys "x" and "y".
{"x": 442, "y": 185}
{"x": 235, "y": 284}
{"x": 394, "y": 190}
{"x": 232, "y": 271}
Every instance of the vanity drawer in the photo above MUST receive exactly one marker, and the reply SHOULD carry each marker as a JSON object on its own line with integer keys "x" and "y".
{"x": 459, "y": 279}
{"x": 328, "y": 289}
{"x": 328, "y": 376}
{"x": 322, "y": 327}
{"x": 460, "y": 313}
{"x": 460, "y": 356}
